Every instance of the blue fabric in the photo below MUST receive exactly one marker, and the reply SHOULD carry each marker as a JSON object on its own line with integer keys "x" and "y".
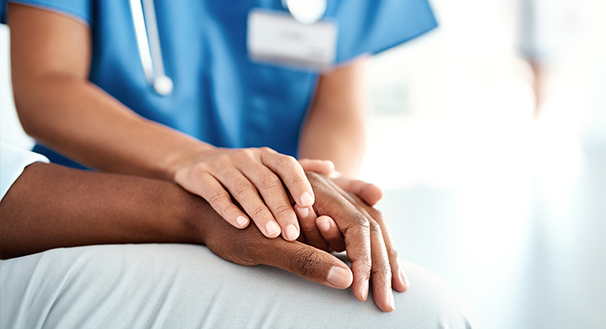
{"x": 220, "y": 96}
{"x": 77, "y": 9}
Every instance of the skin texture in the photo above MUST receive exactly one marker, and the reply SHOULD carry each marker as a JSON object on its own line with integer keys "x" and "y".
{"x": 321, "y": 231}
{"x": 372, "y": 257}
{"x": 59, "y": 107}
{"x": 51, "y": 206}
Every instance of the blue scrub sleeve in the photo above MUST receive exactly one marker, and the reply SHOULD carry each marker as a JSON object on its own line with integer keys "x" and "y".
{"x": 77, "y": 9}
{"x": 369, "y": 27}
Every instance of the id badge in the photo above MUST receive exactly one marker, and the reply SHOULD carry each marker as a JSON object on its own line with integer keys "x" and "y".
{"x": 276, "y": 38}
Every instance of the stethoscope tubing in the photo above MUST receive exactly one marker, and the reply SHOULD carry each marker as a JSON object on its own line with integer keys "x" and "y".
{"x": 148, "y": 42}
{"x": 143, "y": 14}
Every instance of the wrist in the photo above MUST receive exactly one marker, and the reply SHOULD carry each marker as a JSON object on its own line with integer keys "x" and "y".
{"x": 194, "y": 214}
{"x": 186, "y": 157}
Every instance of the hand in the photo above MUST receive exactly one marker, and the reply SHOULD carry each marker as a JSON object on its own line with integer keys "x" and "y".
{"x": 370, "y": 193}
{"x": 367, "y": 240}
{"x": 322, "y": 232}
{"x": 249, "y": 247}
{"x": 254, "y": 178}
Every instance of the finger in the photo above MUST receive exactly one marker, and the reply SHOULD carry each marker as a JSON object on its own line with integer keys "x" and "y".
{"x": 357, "y": 244}
{"x": 370, "y": 193}
{"x": 330, "y": 232}
{"x": 291, "y": 173}
{"x": 381, "y": 271}
{"x": 307, "y": 220}
{"x": 381, "y": 260}
{"x": 399, "y": 280}
{"x": 220, "y": 200}
{"x": 355, "y": 229}
{"x": 275, "y": 197}
{"x": 301, "y": 259}
{"x": 324, "y": 167}
{"x": 400, "y": 275}
{"x": 247, "y": 195}
{"x": 308, "y": 262}
{"x": 302, "y": 239}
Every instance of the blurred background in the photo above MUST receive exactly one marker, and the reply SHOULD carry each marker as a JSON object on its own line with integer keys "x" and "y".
{"x": 488, "y": 136}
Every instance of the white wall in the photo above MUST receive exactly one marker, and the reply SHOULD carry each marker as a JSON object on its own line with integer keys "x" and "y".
{"x": 10, "y": 128}
{"x": 506, "y": 207}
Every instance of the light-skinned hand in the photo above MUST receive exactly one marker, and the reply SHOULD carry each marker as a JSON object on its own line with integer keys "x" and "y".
{"x": 258, "y": 179}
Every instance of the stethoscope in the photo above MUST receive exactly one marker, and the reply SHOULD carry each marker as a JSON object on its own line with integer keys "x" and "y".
{"x": 148, "y": 41}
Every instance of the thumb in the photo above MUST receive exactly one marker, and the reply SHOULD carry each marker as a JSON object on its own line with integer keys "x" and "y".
{"x": 310, "y": 263}
{"x": 367, "y": 191}
{"x": 324, "y": 167}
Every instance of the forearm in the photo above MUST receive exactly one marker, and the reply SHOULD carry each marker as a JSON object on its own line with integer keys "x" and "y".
{"x": 50, "y": 206}
{"x": 57, "y": 105}
{"x": 334, "y": 127}
{"x": 78, "y": 119}
{"x": 342, "y": 143}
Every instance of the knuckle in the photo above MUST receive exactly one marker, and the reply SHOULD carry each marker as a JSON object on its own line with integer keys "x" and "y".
{"x": 218, "y": 196}
{"x": 199, "y": 169}
{"x": 247, "y": 153}
{"x": 297, "y": 180}
{"x": 374, "y": 227}
{"x": 266, "y": 149}
{"x": 270, "y": 181}
{"x": 305, "y": 262}
{"x": 286, "y": 161}
{"x": 366, "y": 261}
{"x": 381, "y": 273}
{"x": 332, "y": 202}
{"x": 361, "y": 221}
{"x": 242, "y": 189}
{"x": 260, "y": 211}
{"x": 282, "y": 210}
{"x": 222, "y": 160}
{"x": 359, "y": 225}
{"x": 231, "y": 209}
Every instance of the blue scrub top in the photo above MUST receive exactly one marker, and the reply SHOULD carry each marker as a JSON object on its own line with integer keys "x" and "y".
{"x": 220, "y": 96}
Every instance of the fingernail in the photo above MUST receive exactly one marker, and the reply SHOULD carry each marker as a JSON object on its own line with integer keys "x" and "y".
{"x": 404, "y": 278}
{"x": 323, "y": 224}
{"x": 272, "y": 228}
{"x": 365, "y": 290}
{"x": 335, "y": 174}
{"x": 306, "y": 199}
{"x": 338, "y": 277}
{"x": 303, "y": 211}
{"x": 241, "y": 220}
{"x": 390, "y": 300}
{"x": 291, "y": 232}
